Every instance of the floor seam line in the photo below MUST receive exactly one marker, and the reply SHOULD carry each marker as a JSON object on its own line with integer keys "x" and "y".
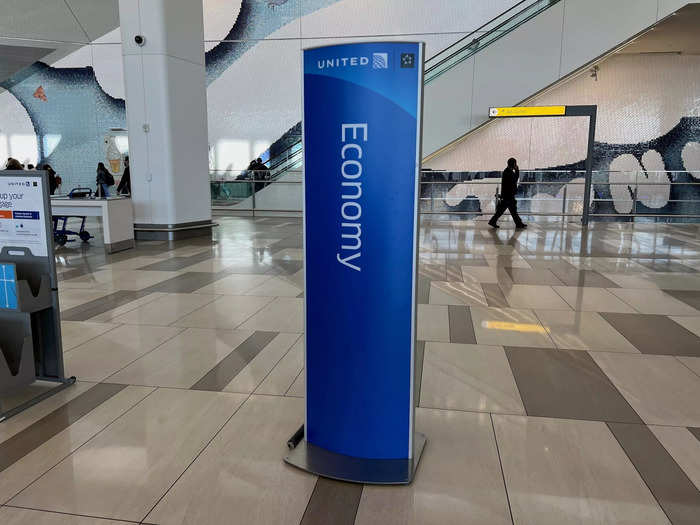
{"x": 206, "y": 445}
{"x": 500, "y": 464}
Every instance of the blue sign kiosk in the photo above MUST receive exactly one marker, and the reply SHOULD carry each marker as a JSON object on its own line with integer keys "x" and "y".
{"x": 362, "y": 133}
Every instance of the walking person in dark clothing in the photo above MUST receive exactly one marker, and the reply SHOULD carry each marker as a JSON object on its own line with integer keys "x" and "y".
{"x": 509, "y": 185}
{"x": 124, "y": 187}
{"x": 104, "y": 180}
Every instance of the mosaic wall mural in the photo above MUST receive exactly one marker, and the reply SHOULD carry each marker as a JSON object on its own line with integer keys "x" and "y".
{"x": 64, "y": 113}
{"x": 635, "y": 101}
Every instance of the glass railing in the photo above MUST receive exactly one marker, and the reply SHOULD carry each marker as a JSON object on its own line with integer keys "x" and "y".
{"x": 549, "y": 195}
{"x": 615, "y": 195}
{"x": 484, "y": 36}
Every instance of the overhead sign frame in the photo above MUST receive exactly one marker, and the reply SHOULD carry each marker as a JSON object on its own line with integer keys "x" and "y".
{"x": 589, "y": 111}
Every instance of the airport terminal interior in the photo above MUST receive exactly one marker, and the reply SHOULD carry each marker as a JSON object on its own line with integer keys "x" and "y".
{"x": 153, "y": 362}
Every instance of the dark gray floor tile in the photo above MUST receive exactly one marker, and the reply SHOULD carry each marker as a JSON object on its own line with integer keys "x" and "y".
{"x": 86, "y": 311}
{"x": 577, "y": 277}
{"x": 566, "y": 384}
{"x": 494, "y": 295}
{"x": 175, "y": 264}
{"x": 461, "y": 326}
{"x": 689, "y": 297}
{"x": 418, "y": 371}
{"x": 655, "y": 334}
{"x": 36, "y": 434}
{"x": 676, "y": 494}
{"x": 423, "y": 290}
{"x": 695, "y": 432}
{"x": 223, "y": 373}
{"x": 187, "y": 282}
{"x": 333, "y": 502}
{"x": 543, "y": 276}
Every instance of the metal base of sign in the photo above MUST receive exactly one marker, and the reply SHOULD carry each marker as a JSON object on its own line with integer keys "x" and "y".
{"x": 328, "y": 464}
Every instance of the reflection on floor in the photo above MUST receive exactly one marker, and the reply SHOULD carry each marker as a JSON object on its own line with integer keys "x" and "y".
{"x": 559, "y": 382}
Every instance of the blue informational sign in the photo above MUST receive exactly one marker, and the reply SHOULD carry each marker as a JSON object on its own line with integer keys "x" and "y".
{"x": 8, "y": 286}
{"x": 362, "y": 111}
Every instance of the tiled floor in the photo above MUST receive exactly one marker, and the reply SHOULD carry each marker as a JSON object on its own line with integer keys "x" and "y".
{"x": 559, "y": 382}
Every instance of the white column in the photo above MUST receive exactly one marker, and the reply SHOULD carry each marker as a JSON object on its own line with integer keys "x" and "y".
{"x": 166, "y": 116}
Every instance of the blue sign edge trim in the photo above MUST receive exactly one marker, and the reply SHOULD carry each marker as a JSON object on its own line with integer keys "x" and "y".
{"x": 418, "y": 160}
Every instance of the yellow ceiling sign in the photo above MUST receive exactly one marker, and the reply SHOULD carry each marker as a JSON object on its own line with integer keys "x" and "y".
{"x": 528, "y": 111}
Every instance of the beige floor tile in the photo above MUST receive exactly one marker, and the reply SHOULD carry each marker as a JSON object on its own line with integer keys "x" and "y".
{"x": 235, "y": 284}
{"x": 275, "y": 287}
{"x": 660, "y": 389}
{"x": 122, "y": 472}
{"x": 690, "y": 323}
{"x": 22, "y": 473}
{"x": 226, "y": 313}
{"x": 433, "y": 323}
{"x": 455, "y": 484}
{"x": 684, "y": 447}
{"x": 110, "y": 352}
{"x": 262, "y": 364}
{"x": 509, "y": 327}
{"x": 241, "y": 478}
{"x": 484, "y": 274}
{"x": 30, "y": 416}
{"x": 457, "y": 293}
{"x": 298, "y": 388}
{"x": 110, "y": 315}
{"x": 511, "y": 261}
{"x": 654, "y": 302}
{"x": 12, "y": 516}
{"x": 468, "y": 377}
{"x": 657, "y": 280}
{"x": 285, "y": 372}
{"x": 119, "y": 279}
{"x": 75, "y": 333}
{"x": 533, "y": 296}
{"x": 183, "y": 360}
{"x": 284, "y": 314}
{"x": 590, "y": 299}
{"x": 72, "y": 297}
{"x": 583, "y": 331}
{"x": 289, "y": 254}
{"x": 166, "y": 309}
{"x": 691, "y": 362}
{"x": 570, "y": 472}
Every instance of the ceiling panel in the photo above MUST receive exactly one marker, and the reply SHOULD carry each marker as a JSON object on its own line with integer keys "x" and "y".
{"x": 16, "y": 58}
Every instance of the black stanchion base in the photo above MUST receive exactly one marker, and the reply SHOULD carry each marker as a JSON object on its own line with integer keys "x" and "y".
{"x": 328, "y": 464}
{"x": 62, "y": 384}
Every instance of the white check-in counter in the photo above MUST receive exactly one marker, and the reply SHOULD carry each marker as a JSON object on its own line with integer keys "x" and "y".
{"x": 117, "y": 217}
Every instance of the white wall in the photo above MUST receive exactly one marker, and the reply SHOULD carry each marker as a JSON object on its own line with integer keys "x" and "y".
{"x": 636, "y": 103}
{"x": 564, "y": 38}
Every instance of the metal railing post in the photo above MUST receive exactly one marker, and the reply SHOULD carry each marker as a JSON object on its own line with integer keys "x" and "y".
{"x": 563, "y": 205}
{"x": 252, "y": 187}
{"x": 432, "y": 196}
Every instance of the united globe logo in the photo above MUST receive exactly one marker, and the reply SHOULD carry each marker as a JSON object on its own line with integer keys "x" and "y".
{"x": 380, "y": 60}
